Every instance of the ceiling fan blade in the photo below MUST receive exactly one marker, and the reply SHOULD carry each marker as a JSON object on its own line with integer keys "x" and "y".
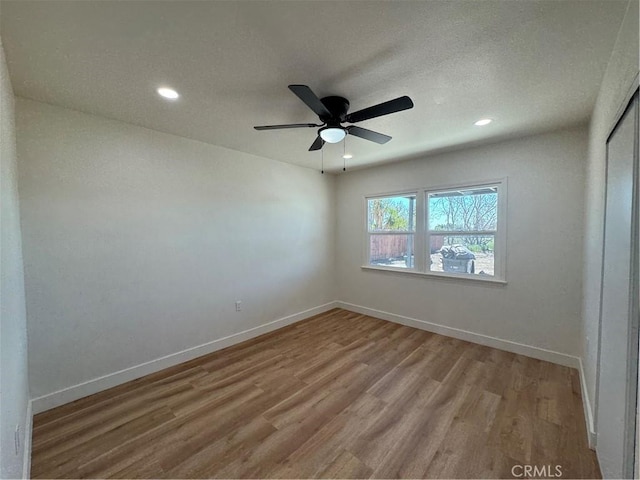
{"x": 368, "y": 134}
{"x": 317, "y": 144}
{"x": 305, "y": 94}
{"x": 290, "y": 125}
{"x": 392, "y": 106}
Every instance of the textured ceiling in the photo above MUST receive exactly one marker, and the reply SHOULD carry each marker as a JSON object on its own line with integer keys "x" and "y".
{"x": 529, "y": 65}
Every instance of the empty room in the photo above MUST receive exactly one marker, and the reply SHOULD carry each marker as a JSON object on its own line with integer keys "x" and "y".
{"x": 319, "y": 239}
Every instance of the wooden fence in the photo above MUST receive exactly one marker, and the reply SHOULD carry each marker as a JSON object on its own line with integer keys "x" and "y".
{"x": 384, "y": 247}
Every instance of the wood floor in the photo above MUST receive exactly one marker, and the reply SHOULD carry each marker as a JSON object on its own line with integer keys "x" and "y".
{"x": 340, "y": 395}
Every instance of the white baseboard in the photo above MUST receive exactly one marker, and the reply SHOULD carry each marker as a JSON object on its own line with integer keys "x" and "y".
{"x": 586, "y": 404}
{"x": 28, "y": 429}
{"x": 499, "y": 343}
{"x": 75, "y": 392}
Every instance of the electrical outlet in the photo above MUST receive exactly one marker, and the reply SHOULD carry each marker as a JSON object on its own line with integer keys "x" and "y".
{"x": 17, "y": 440}
{"x": 238, "y": 306}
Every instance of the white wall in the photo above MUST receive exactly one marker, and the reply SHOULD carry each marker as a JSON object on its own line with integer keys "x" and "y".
{"x": 616, "y": 84}
{"x": 14, "y": 392}
{"x": 137, "y": 243}
{"x": 540, "y": 305}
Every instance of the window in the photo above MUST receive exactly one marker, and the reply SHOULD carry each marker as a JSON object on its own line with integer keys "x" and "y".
{"x": 461, "y": 231}
{"x": 451, "y": 231}
{"x": 391, "y": 227}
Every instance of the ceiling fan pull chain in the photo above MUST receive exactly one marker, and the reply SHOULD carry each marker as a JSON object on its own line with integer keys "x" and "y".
{"x": 344, "y": 155}
{"x": 322, "y": 156}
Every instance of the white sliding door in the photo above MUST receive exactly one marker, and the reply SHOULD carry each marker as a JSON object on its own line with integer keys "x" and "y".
{"x": 618, "y": 361}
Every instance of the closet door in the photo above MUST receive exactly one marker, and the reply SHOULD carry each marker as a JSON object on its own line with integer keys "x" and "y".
{"x": 618, "y": 362}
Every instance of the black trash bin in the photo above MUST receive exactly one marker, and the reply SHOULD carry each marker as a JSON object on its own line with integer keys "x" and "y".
{"x": 457, "y": 259}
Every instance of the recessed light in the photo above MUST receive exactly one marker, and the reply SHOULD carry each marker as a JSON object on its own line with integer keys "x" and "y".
{"x": 483, "y": 121}
{"x": 347, "y": 156}
{"x": 169, "y": 93}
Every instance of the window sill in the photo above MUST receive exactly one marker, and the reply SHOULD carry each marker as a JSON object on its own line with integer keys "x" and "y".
{"x": 442, "y": 275}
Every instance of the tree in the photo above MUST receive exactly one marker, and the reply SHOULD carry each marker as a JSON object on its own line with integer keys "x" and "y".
{"x": 389, "y": 214}
{"x": 464, "y": 213}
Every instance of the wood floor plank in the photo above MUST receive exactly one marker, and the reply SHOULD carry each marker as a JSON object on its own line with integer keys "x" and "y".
{"x": 413, "y": 452}
{"x": 315, "y": 454}
{"x": 338, "y": 395}
{"x": 66, "y": 459}
{"x": 378, "y": 444}
{"x": 345, "y": 465}
{"x": 212, "y": 456}
{"x": 460, "y": 454}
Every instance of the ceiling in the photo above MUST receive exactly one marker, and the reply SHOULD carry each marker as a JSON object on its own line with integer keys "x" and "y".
{"x": 531, "y": 65}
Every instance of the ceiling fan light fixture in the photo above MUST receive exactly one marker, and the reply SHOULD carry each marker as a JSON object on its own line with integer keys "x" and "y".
{"x": 332, "y": 134}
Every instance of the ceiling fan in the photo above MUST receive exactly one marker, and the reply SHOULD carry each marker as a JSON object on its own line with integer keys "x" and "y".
{"x": 332, "y": 112}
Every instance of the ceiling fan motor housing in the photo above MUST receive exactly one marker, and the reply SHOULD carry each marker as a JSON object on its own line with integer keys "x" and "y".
{"x": 338, "y": 107}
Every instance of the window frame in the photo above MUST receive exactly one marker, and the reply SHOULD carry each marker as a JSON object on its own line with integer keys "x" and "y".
{"x": 419, "y": 225}
{"x": 422, "y": 234}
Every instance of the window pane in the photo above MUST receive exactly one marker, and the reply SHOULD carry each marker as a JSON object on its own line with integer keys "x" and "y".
{"x": 392, "y": 214}
{"x": 462, "y": 254}
{"x": 466, "y": 210}
{"x": 391, "y": 250}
